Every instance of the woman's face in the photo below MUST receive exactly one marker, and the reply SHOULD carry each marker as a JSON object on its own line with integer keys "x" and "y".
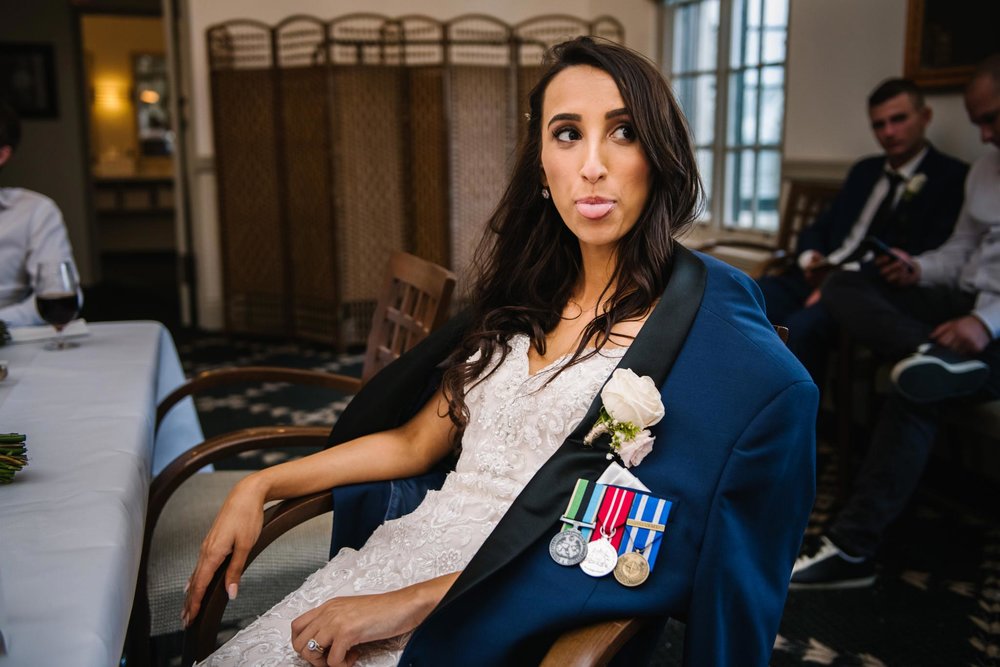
{"x": 591, "y": 160}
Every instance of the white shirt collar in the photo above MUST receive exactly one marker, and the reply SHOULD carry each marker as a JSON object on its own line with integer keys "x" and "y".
{"x": 6, "y": 198}
{"x": 908, "y": 168}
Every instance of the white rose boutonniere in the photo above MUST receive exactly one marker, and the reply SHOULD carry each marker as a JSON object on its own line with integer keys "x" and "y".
{"x": 631, "y": 405}
{"x": 914, "y": 186}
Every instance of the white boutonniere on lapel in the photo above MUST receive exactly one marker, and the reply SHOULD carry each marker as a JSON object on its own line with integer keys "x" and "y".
{"x": 631, "y": 405}
{"x": 914, "y": 186}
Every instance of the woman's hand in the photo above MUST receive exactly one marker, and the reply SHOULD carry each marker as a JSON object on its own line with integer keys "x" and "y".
{"x": 340, "y": 624}
{"x": 235, "y": 530}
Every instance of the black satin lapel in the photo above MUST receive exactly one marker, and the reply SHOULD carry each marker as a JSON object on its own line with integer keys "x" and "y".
{"x": 539, "y": 505}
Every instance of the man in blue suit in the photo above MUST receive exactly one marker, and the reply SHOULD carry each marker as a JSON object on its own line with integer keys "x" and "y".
{"x": 909, "y": 197}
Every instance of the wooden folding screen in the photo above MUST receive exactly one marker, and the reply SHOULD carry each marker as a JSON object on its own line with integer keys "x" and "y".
{"x": 338, "y": 142}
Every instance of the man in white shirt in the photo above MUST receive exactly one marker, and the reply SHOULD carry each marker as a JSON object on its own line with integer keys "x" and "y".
{"x": 942, "y": 308}
{"x": 908, "y": 197}
{"x": 31, "y": 232}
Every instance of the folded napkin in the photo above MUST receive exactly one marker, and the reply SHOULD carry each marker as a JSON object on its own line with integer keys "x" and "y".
{"x": 45, "y": 332}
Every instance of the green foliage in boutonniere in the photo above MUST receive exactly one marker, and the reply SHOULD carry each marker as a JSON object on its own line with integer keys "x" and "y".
{"x": 4, "y": 333}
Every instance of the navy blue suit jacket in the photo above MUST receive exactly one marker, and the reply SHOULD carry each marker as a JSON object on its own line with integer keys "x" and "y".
{"x": 922, "y": 222}
{"x": 735, "y": 453}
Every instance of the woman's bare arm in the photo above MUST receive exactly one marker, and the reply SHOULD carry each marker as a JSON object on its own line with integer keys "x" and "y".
{"x": 408, "y": 450}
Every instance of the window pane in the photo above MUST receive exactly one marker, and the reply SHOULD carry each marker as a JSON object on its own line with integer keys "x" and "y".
{"x": 746, "y": 33}
{"x": 705, "y": 162}
{"x": 775, "y": 30}
{"x": 772, "y": 104}
{"x": 742, "y": 117}
{"x": 696, "y": 37}
{"x": 696, "y": 95}
{"x": 768, "y": 190}
{"x": 740, "y": 182}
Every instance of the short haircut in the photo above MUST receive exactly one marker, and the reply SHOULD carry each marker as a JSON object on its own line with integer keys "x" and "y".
{"x": 890, "y": 88}
{"x": 989, "y": 67}
{"x": 10, "y": 127}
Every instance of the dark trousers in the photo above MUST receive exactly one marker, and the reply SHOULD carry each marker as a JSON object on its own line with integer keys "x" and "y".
{"x": 811, "y": 331}
{"x": 893, "y": 322}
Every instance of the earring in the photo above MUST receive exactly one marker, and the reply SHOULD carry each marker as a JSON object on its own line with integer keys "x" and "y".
{"x": 545, "y": 193}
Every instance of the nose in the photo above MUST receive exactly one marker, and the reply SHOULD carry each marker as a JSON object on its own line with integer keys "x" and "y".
{"x": 593, "y": 168}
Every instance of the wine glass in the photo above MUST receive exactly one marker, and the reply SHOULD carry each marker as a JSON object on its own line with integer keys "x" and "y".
{"x": 57, "y": 298}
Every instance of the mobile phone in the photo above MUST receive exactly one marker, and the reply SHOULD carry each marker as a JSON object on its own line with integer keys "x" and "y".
{"x": 881, "y": 248}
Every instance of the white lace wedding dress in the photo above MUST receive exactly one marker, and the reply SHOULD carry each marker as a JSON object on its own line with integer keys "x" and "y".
{"x": 517, "y": 422}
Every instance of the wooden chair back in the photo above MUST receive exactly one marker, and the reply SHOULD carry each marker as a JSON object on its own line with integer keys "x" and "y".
{"x": 806, "y": 201}
{"x": 408, "y": 309}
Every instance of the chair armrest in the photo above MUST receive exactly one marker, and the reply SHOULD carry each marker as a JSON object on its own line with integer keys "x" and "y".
{"x": 748, "y": 244}
{"x": 200, "y": 636}
{"x": 218, "y": 377}
{"x": 218, "y": 448}
{"x": 593, "y": 644}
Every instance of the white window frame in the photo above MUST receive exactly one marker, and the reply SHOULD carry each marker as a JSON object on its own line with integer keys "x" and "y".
{"x": 714, "y": 214}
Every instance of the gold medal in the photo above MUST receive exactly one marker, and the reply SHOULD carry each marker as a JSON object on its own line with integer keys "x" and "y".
{"x": 632, "y": 569}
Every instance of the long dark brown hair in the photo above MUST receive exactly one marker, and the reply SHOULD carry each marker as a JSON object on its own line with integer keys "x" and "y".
{"x": 528, "y": 262}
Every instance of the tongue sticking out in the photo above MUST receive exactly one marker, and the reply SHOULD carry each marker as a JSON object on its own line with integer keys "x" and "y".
{"x": 594, "y": 210}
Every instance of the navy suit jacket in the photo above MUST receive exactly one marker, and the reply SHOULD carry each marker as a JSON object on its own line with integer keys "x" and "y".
{"x": 922, "y": 222}
{"x": 735, "y": 453}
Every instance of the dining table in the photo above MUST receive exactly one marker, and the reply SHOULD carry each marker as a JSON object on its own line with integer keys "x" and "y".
{"x": 71, "y": 522}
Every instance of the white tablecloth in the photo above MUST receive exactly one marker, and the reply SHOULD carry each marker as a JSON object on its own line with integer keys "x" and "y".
{"x": 71, "y": 523}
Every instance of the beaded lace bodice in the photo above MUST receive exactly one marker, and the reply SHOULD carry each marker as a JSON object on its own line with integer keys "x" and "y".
{"x": 517, "y": 420}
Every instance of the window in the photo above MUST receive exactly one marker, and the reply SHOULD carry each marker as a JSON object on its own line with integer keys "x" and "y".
{"x": 727, "y": 65}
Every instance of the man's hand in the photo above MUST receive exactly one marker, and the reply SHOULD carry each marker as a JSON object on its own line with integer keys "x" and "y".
{"x": 815, "y": 267}
{"x": 901, "y": 272}
{"x": 965, "y": 335}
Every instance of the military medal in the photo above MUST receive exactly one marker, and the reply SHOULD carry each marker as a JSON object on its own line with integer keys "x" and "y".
{"x": 631, "y": 569}
{"x": 569, "y": 546}
{"x": 645, "y": 525}
{"x": 602, "y": 552}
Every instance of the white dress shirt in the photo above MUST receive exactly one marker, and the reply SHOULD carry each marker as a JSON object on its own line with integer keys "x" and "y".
{"x": 970, "y": 258}
{"x": 31, "y": 231}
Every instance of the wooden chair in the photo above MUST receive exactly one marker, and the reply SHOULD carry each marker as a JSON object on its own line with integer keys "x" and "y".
{"x": 414, "y": 301}
{"x": 806, "y": 200}
{"x": 591, "y": 645}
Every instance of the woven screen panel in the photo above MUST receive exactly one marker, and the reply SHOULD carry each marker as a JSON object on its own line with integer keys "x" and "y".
{"x": 249, "y": 206}
{"x": 427, "y": 171}
{"x": 368, "y": 186}
{"x": 481, "y": 148}
{"x": 306, "y": 170}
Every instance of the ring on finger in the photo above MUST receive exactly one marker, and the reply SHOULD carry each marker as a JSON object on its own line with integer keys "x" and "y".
{"x": 313, "y": 645}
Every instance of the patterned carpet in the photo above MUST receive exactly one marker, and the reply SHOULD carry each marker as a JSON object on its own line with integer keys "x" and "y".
{"x": 936, "y": 602}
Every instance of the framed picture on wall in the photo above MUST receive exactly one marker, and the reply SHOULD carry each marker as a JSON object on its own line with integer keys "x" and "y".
{"x": 28, "y": 79}
{"x": 945, "y": 40}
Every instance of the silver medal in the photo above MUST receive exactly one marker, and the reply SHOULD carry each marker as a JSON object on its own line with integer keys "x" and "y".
{"x": 601, "y": 558}
{"x": 568, "y": 547}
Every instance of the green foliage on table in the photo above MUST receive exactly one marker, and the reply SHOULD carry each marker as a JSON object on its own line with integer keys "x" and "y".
{"x": 13, "y": 456}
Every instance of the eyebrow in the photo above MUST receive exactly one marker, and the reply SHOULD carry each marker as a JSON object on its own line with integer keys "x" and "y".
{"x": 614, "y": 113}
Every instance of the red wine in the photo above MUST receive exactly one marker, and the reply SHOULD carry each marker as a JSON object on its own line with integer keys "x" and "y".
{"x": 57, "y": 309}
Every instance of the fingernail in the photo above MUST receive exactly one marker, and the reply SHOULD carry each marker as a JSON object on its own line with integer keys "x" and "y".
{"x": 232, "y": 591}
{"x": 184, "y": 619}
{"x": 187, "y": 585}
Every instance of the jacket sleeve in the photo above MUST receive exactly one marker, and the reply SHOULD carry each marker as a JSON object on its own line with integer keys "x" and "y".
{"x": 755, "y": 526}
{"x": 832, "y": 226}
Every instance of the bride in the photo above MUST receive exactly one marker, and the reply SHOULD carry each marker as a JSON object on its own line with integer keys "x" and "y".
{"x": 579, "y": 274}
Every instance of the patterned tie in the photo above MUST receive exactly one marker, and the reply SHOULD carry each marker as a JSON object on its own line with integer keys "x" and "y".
{"x": 884, "y": 215}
